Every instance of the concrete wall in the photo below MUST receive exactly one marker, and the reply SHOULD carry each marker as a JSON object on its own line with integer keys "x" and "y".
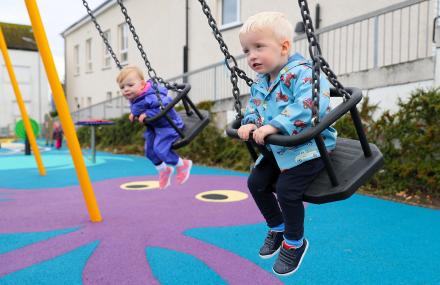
{"x": 162, "y": 32}
{"x": 33, "y": 85}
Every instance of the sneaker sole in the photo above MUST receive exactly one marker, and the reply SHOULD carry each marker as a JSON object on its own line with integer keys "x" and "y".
{"x": 187, "y": 176}
{"x": 299, "y": 264}
{"x": 270, "y": 255}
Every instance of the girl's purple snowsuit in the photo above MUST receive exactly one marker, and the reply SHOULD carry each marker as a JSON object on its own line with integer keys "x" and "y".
{"x": 160, "y": 135}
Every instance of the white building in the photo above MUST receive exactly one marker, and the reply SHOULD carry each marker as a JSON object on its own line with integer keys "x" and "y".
{"x": 383, "y": 47}
{"x": 30, "y": 75}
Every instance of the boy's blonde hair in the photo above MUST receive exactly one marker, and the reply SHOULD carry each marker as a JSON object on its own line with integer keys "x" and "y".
{"x": 275, "y": 21}
{"x": 128, "y": 70}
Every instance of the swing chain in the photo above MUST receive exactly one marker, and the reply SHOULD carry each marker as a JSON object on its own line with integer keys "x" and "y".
{"x": 316, "y": 55}
{"x": 243, "y": 76}
{"x": 315, "y": 90}
{"x": 230, "y": 61}
{"x": 101, "y": 33}
{"x": 151, "y": 72}
{"x": 223, "y": 47}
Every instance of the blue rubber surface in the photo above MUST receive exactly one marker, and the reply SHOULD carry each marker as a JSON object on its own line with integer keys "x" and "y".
{"x": 362, "y": 240}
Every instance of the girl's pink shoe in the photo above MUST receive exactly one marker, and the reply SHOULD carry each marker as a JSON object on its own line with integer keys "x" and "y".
{"x": 165, "y": 177}
{"x": 183, "y": 171}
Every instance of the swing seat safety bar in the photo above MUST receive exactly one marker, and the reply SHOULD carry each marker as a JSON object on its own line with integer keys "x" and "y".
{"x": 195, "y": 120}
{"x": 308, "y": 134}
{"x": 182, "y": 92}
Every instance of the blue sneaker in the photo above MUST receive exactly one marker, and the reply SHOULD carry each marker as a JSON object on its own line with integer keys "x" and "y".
{"x": 289, "y": 259}
{"x": 271, "y": 245}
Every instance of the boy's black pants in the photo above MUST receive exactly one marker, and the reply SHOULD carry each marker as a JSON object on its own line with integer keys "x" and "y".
{"x": 290, "y": 186}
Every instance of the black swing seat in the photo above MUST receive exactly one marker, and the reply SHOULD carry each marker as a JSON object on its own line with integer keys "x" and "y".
{"x": 353, "y": 161}
{"x": 353, "y": 170}
{"x": 193, "y": 126}
{"x": 195, "y": 120}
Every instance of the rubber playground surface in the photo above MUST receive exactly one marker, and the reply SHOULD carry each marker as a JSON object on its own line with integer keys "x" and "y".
{"x": 207, "y": 231}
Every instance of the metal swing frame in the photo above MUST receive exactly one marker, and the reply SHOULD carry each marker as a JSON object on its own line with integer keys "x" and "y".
{"x": 353, "y": 162}
{"x": 195, "y": 120}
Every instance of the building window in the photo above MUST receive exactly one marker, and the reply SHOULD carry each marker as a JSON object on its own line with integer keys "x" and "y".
{"x": 89, "y": 55}
{"x": 123, "y": 43}
{"x": 76, "y": 59}
{"x": 120, "y": 98}
{"x": 107, "y": 56}
{"x": 76, "y": 102}
{"x": 230, "y": 13}
{"x": 89, "y": 101}
{"x": 109, "y": 102}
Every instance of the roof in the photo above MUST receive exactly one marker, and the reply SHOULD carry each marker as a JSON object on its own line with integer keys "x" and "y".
{"x": 85, "y": 19}
{"x": 19, "y": 36}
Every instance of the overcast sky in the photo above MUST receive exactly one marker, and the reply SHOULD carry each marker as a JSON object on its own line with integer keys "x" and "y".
{"x": 57, "y": 15}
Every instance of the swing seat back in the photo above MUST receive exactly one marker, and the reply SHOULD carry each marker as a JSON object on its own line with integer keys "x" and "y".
{"x": 193, "y": 126}
{"x": 353, "y": 169}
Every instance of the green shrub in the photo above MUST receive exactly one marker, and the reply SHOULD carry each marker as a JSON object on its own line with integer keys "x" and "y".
{"x": 345, "y": 126}
{"x": 410, "y": 143}
{"x": 212, "y": 148}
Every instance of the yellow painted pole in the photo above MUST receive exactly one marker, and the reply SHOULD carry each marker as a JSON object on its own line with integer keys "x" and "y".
{"x": 27, "y": 124}
{"x": 63, "y": 110}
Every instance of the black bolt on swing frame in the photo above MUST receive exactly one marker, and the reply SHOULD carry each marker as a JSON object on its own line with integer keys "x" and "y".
{"x": 195, "y": 120}
{"x": 352, "y": 162}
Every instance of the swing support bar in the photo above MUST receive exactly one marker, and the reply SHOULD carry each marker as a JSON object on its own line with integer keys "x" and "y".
{"x": 63, "y": 110}
{"x": 27, "y": 124}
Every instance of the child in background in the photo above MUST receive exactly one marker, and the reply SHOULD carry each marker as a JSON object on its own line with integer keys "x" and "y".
{"x": 281, "y": 102}
{"x": 160, "y": 135}
{"x": 57, "y": 135}
{"x": 48, "y": 130}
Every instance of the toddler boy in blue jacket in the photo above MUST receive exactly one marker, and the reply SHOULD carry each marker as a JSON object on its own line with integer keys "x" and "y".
{"x": 281, "y": 102}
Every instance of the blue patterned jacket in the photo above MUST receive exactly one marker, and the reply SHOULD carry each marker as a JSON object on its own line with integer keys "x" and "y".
{"x": 286, "y": 105}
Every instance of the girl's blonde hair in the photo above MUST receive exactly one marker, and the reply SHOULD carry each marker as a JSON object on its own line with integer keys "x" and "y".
{"x": 276, "y": 21}
{"x": 128, "y": 70}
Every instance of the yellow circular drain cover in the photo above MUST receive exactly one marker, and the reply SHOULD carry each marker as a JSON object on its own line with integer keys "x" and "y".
{"x": 140, "y": 185}
{"x": 221, "y": 196}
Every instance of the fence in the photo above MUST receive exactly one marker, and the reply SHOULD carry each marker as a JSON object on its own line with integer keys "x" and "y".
{"x": 396, "y": 34}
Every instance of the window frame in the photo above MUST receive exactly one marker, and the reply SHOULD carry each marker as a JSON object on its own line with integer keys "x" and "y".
{"x": 123, "y": 51}
{"x": 76, "y": 103}
{"x": 232, "y": 24}
{"x": 76, "y": 60}
{"x": 109, "y": 99}
{"x": 107, "y": 57}
{"x": 88, "y": 56}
